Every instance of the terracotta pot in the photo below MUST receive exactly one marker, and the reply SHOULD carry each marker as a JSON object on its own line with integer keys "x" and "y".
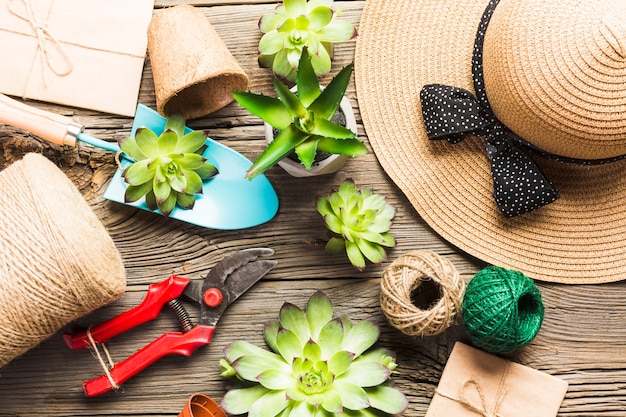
{"x": 199, "y": 405}
{"x": 326, "y": 166}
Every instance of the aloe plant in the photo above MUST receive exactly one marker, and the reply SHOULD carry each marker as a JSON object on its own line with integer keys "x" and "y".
{"x": 169, "y": 169}
{"x": 303, "y": 118}
{"x": 296, "y": 25}
{"x": 319, "y": 365}
{"x": 359, "y": 221}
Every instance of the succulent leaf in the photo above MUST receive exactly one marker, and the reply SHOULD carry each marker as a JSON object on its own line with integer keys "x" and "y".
{"x": 272, "y": 42}
{"x": 318, "y": 378}
{"x": 348, "y": 147}
{"x": 162, "y": 191}
{"x": 270, "y": 109}
{"x": 321, "y": 61}
{"x": 306, "y": 152}
{"x": 191, "y": 142}
{"x": 280, "y": 147}
{"x": 330, "y": 338}
{"x": 355, "y": 255}
{"x": 167, "y": 142}
{"x": 275, "y": 380}
{"x": 371, "y": 250}
{"x": 167, "y": 205}
{"x": 340, "y": 362}
{"x": 138, "y": 173}
{"x": 360, "y": 337}
{"x": 239, "y": 401}
{"x": 327, "y": 103}
{"x": 307, "y": 82}
{"x": 186, "y": 201}
{"x": 337, "y": 245}
{"x": 328, "y": 129}
{"x": 135, "y": 192}
{"x": 366, "y": 374}
{"x": 238, "y": 349}
{"x": 336, "y": 31}
{"x": 270, "y": 404}
{"x": 207, "y": 170}
{"x": 319, "y": 311}
{"x": 270, "y": 332}
{"x": 352, "y": 396}
{"x": 312, "y": 351}
{"x": 288, "y": 344}
{"x": 332, "y": 402}
{"x": 146, "y": 141}
{"x": 294, "y": 319}
{"x": 290, "y": 100}
{"x": 387, "y": 399}
{"x": 249, "y": 367}
{"x": 128, "y": 145}
{"x": 176, "y": 123}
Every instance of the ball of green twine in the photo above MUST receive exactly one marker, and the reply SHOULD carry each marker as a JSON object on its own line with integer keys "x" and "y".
{"x": 502, "y": 309}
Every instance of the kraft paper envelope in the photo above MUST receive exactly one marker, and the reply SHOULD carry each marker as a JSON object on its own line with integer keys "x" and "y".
{"x": 82, "y": 53}
{"x": 475, "y": 383}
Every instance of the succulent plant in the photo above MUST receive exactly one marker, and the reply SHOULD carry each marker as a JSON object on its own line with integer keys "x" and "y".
{"x": 359, "y": 221}
{"x": 319, "y": 365}
{"x": 303, "y": 118}
{"x": 168, "y": 169}
{"x": 297, "y": 24}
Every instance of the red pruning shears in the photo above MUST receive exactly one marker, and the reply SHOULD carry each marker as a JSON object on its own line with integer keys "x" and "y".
{"x": 229, "y": 279}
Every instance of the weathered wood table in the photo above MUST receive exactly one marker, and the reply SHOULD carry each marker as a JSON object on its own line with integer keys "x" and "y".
{"x": 583, "y": 338}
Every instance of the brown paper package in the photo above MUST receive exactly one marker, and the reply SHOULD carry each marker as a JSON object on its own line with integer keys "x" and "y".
{"x": 478, "y": 383}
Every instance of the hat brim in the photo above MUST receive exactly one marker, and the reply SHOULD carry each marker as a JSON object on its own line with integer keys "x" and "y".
{"x": 403, "y": 45}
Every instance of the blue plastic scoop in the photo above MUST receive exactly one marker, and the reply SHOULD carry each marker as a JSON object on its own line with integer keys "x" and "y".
{"x": 228, "y": 200}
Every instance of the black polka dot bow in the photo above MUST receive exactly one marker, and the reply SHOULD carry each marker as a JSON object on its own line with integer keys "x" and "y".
{"x": 450, "y": 113}
{"x": 519, "y": 186}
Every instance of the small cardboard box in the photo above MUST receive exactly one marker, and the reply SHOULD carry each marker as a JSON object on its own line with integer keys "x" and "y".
{"x": 476, "y": 383}
{"x": 83, "y": 53}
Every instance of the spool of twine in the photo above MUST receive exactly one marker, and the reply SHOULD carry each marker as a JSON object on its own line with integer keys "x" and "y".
{"x": 401, "y": 281}
{"x": 194, "y": 72}
{"x": 502, "y": 309}
{"x": 57, "y": 261}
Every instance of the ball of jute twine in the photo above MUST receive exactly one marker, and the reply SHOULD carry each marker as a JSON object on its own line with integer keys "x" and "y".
{"x": 502, "y": 309}
{"x": 57, "y": 261}
{"x": 404, "y": 276}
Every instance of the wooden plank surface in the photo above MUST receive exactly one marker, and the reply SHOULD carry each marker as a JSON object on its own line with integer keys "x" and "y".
{"x": 583, "y": 338}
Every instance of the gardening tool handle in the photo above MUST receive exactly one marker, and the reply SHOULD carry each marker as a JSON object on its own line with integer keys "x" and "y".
{"x": 166, "y": 344}
{"x": 52, "y": 127}
{"x": 158, "y": 295}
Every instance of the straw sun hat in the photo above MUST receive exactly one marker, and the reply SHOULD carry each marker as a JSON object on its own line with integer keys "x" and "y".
{"x": 521, "y": 164}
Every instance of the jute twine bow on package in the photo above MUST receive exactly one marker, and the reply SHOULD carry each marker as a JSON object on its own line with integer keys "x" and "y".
{"x": 57, "y": 261}
{"x": 194, "y": 72}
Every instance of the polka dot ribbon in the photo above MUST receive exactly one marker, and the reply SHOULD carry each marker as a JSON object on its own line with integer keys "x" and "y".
{"x": 451, "y": 113}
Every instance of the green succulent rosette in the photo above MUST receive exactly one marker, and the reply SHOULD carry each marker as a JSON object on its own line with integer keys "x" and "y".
{"x": 319, "y": 366}
{"x": 359, "y": 222}
{"x": 299, "y": 24}
{"x": 169, "y": 169}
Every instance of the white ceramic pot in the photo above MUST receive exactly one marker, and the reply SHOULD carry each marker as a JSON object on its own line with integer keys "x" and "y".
{"x": 326, "y": 166}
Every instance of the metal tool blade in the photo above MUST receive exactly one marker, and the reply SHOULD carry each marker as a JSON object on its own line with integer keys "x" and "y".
{"x": 233, "y": 276}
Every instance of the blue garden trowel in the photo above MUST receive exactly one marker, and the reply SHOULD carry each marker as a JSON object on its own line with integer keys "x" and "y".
{"x": 228, "y": 200}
